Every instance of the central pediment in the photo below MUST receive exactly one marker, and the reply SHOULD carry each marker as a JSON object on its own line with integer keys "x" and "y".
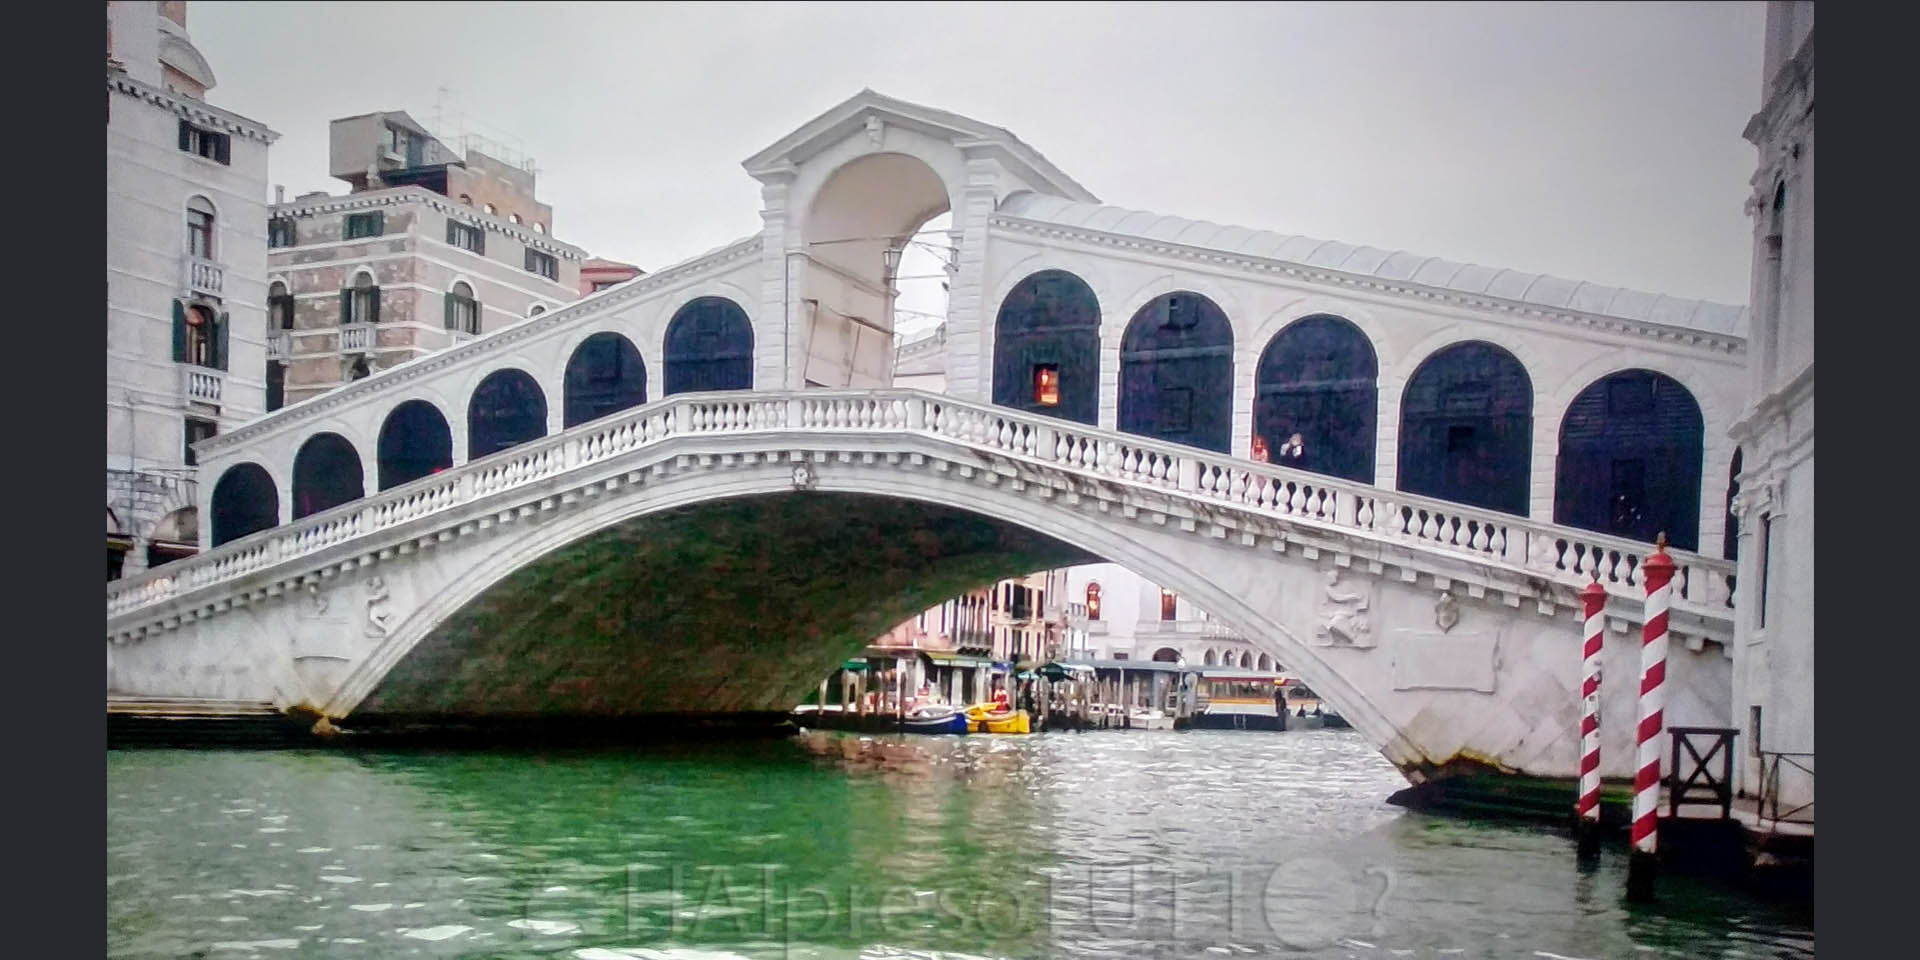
{"x": 868, "y": 114}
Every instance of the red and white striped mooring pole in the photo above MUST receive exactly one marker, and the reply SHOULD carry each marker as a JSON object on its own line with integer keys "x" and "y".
{"x": 1658, "y": 570}
{"x": 1587, "y": 807}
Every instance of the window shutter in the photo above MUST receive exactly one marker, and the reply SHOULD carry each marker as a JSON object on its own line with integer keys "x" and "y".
{"x": 220, "y": 342}
{"x": 480, "y": 241}
{"x": 453, "y": 233}
{"x": 223, "y": 148}
{"x": 449, "y": 311}
{"x": 373, "y": 313}
{"x": 530, "y": 260}
{"x": 186, "y": 136}
{"x": 179, "y": 332}
{"x": 379, "y": 223}
{"x": 346, "y": 306}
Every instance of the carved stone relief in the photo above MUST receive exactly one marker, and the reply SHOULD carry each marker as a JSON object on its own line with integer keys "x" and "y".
{"x": 379, "y": 607}
{"x": 1342, "y": 616}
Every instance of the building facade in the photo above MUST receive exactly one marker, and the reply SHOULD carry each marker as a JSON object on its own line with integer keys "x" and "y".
{"x": 431, "y": 247}
{"x": 600, "y": 274}
{"x": 1772, "y": 510}
{"x": 1125, "y": 616}
{"x": 186, "y": 279}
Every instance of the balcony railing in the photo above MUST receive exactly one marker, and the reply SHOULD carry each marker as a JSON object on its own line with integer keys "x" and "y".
{"x": 201, "y": 384}
{"x": 356, "y": 338}
{"x": 205, "y": 276}
{"x": 279, "y": 345}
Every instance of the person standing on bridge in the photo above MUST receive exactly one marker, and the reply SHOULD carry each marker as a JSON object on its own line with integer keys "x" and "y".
{"x": 1293, "y": 453}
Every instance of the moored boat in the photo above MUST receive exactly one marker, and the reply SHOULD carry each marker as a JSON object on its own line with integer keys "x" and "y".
{"x": 935, "y": 718}
{"x": 996, "y": 718}
{"x": 1150, "y": 720}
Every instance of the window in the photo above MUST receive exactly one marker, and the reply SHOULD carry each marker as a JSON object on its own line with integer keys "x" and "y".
{"x": 276, "y": 385}
{"x": 201, "y": 335}
{"x": 467, "y": 236}
{"x": 360, "y": 303}
{"x": 1766, "y": 564}
{"x": 397, "y": 140}
{"x": 1169, "y": 604}
{"x": 490, "y": 210}
{"x": 281, "y": 232}
{"x": 279, "y": 307}
{"x": 599, "y": 285}
{"x": 513, "y": 218}
{"x": 543, "y": 264}
{"x": 537, "y": 310}
{"x": 1117, "y": 655}
{"x": 200, "y": 228}
{"x": 197, "y": 430}
{"x": 1753, "y": 727}
{"x": 364, "y": 225}
{"x": 1093, "y": 601}
{"x": 466, "y": 200}
{"x": 463, "y": 311}
{"x": 116, "y": 560}
{"x": 539, "y": 227}
{"x": 1046, "y": 384}
{"x": 217, "y": 147}
{"x": 359, "y": 370}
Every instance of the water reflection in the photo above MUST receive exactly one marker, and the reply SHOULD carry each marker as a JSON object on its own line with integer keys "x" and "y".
{"x": 834, "y": 845}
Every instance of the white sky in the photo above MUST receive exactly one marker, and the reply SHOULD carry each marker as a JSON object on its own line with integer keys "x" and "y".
{"x": 1592, "y": 141}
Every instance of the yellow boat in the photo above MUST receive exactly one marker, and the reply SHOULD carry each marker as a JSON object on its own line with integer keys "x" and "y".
{"x": 986, "y": 718}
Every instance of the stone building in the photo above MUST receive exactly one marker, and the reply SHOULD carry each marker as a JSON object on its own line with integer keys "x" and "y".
{"x": 1772, "y": 510}
{"x": 430, "y": 247}
{"x": 186, "y": 279}
{"x": 1125, "y": 616}
{"x": 600, "y": 274}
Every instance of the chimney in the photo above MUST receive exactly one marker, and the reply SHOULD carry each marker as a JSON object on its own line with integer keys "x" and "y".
{"x": 279, "y": 193}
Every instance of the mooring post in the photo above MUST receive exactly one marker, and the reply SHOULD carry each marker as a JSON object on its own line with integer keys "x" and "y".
{"x": 1587, "y": 807}
{"x": 1643, "y": 860}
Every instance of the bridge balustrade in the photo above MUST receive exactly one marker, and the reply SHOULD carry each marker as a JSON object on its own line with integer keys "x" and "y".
{"x": 1552, "y": 552}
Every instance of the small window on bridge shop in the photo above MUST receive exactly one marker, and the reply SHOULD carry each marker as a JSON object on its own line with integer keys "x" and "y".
{"x": 1046, "y": 384}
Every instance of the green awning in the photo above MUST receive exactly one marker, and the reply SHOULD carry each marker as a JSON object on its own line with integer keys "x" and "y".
{"x": 947, "y": 658}
{"x": 854, "y": 664}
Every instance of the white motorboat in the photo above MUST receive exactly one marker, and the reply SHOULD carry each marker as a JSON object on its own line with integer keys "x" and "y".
{"x": 1150, "y": 720}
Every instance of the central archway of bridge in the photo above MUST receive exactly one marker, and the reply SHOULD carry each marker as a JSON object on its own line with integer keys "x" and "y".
{"x": 725, "y": 607}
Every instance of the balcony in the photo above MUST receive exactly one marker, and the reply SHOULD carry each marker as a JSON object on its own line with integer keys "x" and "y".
{"x": 204, "y": 277}
{"x": 356, "y": 338}
{"x": 202, "y": 384}
{"x": 280, "y": 345}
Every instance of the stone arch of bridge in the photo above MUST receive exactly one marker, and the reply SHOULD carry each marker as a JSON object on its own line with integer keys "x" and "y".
{"x": 1206, "y": 578}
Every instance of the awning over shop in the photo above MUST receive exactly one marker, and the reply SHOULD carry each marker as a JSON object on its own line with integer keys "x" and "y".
{"x": 855, "y": 664}
{"x": 948, "y": 658}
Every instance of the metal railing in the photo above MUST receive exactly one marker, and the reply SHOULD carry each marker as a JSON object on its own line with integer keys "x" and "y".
{"x": 1771, "y": 763}
{"x": 1217, "y": 482}
{"x": 1699, "y": 783}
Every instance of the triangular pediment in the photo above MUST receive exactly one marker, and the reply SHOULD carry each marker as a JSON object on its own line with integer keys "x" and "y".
{"x": 851, "y": 119}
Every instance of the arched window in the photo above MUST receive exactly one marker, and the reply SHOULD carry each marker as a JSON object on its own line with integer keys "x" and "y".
{"x": 1093, "y": 601}
{"x": 466, "y": 200}
{"x": 199, "y": 336}
{"x": 1466, "y": 428}
{"x": 604, "y": 375}
{"x": 490, "y": 210}
{"x": 1176, "y": 372}
{"x": 279, "y": 307}
{"x": 244, "y": 502}
{"x": 1166, "y": 655}
{"x": 200, "y": 228}
{"x": 1730, "y": 544}
{"x": 462, "y": 310}
{"x": 360, "y": 302}
{"x": 539, "y": 227}
{"x": 1265, "y": 662}
{"x": 1631, "y": 446}
{"x": 1210, "y": 659}
{"x": 414, "y": 442}
{"x": 709, "y": 346}
{"x": 508, "y": 408}
{"x": 513, "y": 218}
{"x": 1246, "y": 660}
{"x": 326, "y": 474}
{"x": 536, "y": 310}
{"x": 1319, "y": 378}
{"x": 1046, "y": 348}
{"x": 1169, "y": 604}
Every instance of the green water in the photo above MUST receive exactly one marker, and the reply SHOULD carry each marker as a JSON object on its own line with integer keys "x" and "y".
{"x": 1122, "y": 845}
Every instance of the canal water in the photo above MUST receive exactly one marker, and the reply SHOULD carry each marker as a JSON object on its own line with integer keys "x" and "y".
{"x": 833, "y": 845}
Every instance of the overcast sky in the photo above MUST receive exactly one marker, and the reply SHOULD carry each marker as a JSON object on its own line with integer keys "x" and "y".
{"x": 1592, "y": 141}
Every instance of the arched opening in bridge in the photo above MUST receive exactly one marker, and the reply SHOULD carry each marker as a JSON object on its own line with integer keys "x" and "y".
{"x": 1320, "y": 378}
{"x": 1631, "y": 447}
{"x": 507, "y": 409}
{"x": 326, "y": 474}
{"x": 244, "y": 502}
{"x": 880, "y": 256}
{"x": 415, "y": 441}
{"x": 1046, "y": 348}
{"x": 1265, "y": 662}
{"x": 605, "y": 375}
{"x": 1246, "y": 660}
{"x": 1176, "y": 372}
{"x": 1211, "y": 659}
{"x": 1166, "y": 655}
{"x": 709, "y": 346}
{"x": 1466, "y": 428}
{"x": 1730, "y": 544}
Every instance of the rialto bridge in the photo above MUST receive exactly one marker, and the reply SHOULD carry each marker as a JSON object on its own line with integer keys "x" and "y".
{"x": 695, "y": 493}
